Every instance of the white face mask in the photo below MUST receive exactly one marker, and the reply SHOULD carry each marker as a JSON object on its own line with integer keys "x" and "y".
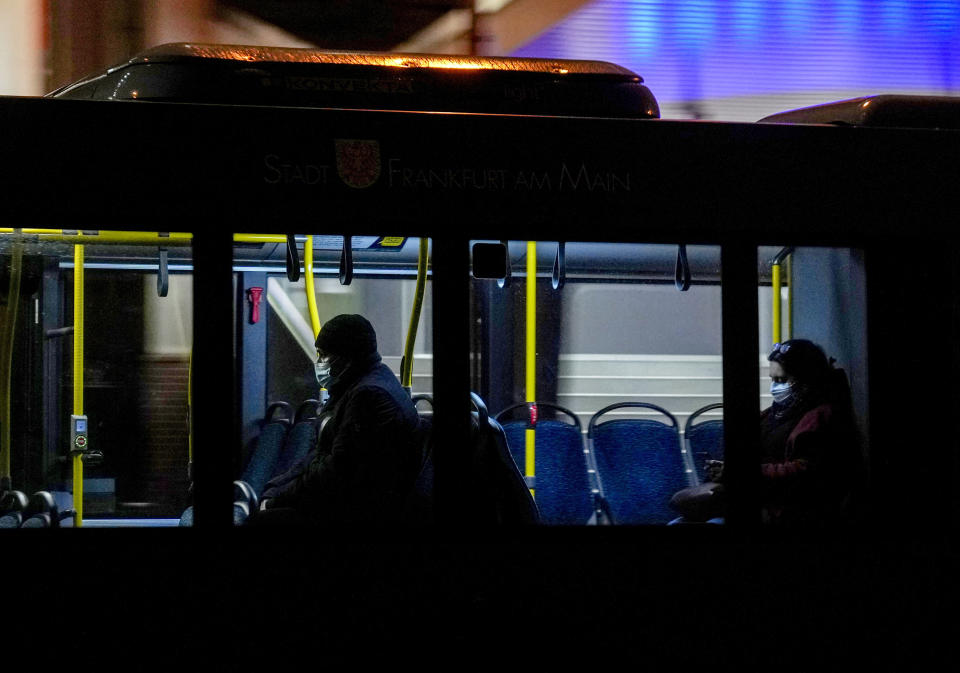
{"x": 321, "y": 370}
{"x": 781, "y": 391}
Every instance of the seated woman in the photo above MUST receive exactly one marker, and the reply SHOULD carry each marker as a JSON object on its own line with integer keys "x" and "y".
{"x": 808, "y": 446}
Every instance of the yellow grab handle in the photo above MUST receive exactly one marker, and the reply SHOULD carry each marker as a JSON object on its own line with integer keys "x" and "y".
{"x": 308, "y": 283}
{"x": 406, "y": 376}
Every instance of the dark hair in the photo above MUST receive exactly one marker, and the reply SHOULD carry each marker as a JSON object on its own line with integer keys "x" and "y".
{"x": 348, "y": 334}
{"x": 803, "y": 360}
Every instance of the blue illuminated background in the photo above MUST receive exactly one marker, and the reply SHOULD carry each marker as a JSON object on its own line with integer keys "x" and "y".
{"x": 740, "y": 60}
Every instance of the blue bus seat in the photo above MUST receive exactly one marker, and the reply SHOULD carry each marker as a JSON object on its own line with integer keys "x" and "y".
{"x": 266, "y": 452}
{"x": 42, "y": 512}
{"x": 12, "y": 506}
{"x": 562, "y": 484}
{"x": 301, "y": 438}
{"x": 418, "y": 506}
{"x": 244, "y": 498}
{"x": 704, "y": 440}
{"x": 639, "y": 464}
{"x": 497, "y": 491}
{"x": 423, "y": 397}
{"x": 241, "y": 514}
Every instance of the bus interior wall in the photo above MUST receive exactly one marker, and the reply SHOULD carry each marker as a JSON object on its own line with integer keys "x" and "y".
{"x": 498, "y": 341}
{"x": 251, "y": 382}
{"x": 829, "y": 297}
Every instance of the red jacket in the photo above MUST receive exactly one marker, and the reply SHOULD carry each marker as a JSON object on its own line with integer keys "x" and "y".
{"x": 811, "y": 482}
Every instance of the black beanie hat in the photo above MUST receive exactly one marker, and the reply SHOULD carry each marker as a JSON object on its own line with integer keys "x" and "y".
{"x": 348, "y": 334}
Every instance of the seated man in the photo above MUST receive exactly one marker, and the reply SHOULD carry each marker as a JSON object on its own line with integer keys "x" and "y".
{"x": 367, "y": 456}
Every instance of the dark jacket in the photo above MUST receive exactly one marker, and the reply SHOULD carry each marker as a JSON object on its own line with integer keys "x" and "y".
{"x": 809, "y": 460}
{"x": 366, "y": 459}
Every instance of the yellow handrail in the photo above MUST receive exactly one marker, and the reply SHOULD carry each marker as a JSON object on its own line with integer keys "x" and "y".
{"x": 171, "y": 239}
{"x": 259, "y": 238}
{"x": 406, "y": 374}
{"x": 776, "y": 302}
{"x": 789, "y": 296}
{"x": 531, "y": 359}
{"x": 7, "y": 336}
{"x": 308, "y": 284}
{"x": 776, "y": 281}
{"x": 78, "y": 375}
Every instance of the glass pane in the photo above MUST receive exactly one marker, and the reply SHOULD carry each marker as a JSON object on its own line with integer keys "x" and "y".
{"x": 283, "y": 402}
{"x": 98, "y": 398}
{"x": 597, "y": 418}
{"x": 813, "y": 388}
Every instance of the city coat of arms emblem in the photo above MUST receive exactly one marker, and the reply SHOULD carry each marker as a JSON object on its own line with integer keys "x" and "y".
{"x": 358, "y": 162}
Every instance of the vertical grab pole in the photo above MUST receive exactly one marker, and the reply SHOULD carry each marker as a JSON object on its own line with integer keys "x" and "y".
{"x": 78, "y": 374}
{"x": 7, "y": 337}
{"x": 308, "y": 281}
{"x": 789, "y": 272}
{"x": 406, "y": 364}
{"x": 531, "y": 359}
{"x": 776, "y": 301}
{"x": 776, "y": 265}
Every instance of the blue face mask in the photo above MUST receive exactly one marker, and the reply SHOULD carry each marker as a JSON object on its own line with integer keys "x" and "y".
{"x": 781, "y": 391}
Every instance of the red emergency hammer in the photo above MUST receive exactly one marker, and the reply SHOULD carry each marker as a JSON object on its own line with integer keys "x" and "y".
{"x": 253, "y": 296}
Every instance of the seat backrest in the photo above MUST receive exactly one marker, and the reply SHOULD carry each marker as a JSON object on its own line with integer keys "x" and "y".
{"x": 12, "y": 505}
{"x": 266, "y": 451}
{"x": 418, "y": 505}
{"x": 11, "y": 519}
{"x": 186, "y": 519}
{"x": 497, "y": 490}
{"x": 241, "y": 514}
{"x": 704, "y": 439}
{"x": 427, "y": 408}
{"x": 41, "y": 512}
{"x": 561, "y": 483}
{"x": 302, "y": 436}
{"x": 243, "y": 493}
{"x": 639, "y": 464}
{"x": 13, "y": 501}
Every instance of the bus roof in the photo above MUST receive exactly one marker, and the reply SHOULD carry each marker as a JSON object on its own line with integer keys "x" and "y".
{"x": 253, "y": 75}
{"x": 888, "y": 110}
{"x": 186, "y": 52}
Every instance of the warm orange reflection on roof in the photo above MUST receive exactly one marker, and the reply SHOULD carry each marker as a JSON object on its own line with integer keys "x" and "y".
{"x": 255, "y": 54}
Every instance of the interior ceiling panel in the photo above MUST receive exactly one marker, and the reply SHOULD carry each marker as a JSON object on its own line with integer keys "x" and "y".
{"x": 362, "y": 25}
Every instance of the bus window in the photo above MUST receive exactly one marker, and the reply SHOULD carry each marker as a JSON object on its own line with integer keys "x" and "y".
{"x": 288, "y": 287}
{"x": 813, "y": 389}
{"x": 597, "y": 359}
{"x": 97, "y": 331}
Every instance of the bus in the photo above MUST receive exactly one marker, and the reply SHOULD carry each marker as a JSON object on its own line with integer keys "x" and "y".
{"x": 183, "y": 222}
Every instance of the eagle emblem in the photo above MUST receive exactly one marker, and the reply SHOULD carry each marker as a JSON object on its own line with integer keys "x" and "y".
{"x": 358, "y": 162}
